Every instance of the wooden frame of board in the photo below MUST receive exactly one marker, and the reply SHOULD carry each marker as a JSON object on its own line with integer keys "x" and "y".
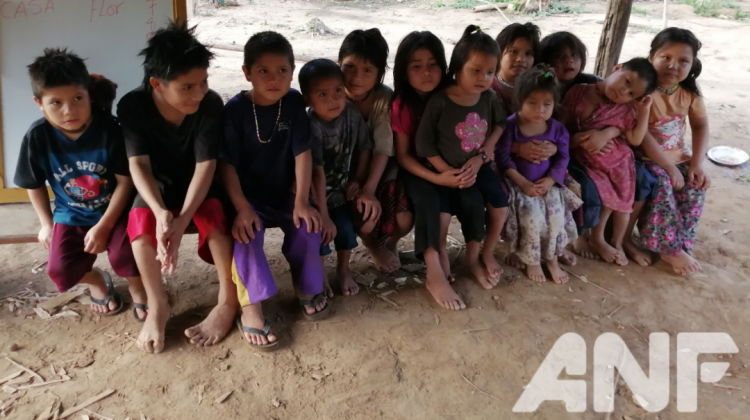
{"x": 19, "y": 195}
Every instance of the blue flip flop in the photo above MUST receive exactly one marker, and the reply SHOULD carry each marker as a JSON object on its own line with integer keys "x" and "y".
{"x": 271, "y": 346}
{"x": 143, "y": 307}
{"x": 112, "y": 294}
{"x": 312, "y": 304}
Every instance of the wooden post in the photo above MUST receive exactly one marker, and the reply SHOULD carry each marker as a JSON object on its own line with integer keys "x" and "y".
{"x": 614, "y": 29}
{"x": 665, "y": 19}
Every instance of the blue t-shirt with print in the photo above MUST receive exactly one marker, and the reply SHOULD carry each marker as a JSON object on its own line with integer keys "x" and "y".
{"x": 80, "y": 172}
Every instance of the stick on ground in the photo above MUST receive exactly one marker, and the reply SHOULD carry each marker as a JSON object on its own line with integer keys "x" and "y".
{"x": 67, "y": 413}
{"x": 477, "y": 388}
{"x": 25, "y": 369}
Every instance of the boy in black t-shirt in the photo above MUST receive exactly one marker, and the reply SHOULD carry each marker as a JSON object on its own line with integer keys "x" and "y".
{"x": 81, "y": 154}
{"x": 172, "y": 126}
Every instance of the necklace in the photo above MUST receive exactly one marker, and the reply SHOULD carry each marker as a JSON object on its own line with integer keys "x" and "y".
{"x": 257, "y": 129}
{"x": 504, "y": 83}
{"x": 356, "y": 103}
{"x": 668, "y": 91}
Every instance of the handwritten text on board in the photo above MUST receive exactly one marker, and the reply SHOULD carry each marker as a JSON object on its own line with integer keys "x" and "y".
{"x": 26, "y": 8}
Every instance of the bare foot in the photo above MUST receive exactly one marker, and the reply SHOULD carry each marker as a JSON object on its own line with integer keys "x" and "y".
{"x": 582, "y": 247}
{"x": 558, "y": 275}
{"x": 606, "y": 251}
{"x": 327, "y": 289}
{"x": 682, "y": 263}
{"x": 99, "y": 292}
{"x": 492, "y": 268}
{"x": 620, "y": 258}
{"x": 477, "y": 269}
{"x": 392, "y": 246}
{"x": 641, "y": 257}
{"x": 568, "y": 258}
{"x": 535, "y": 273}
{"x": 215, "y": 327}
{"x": 349, "y": 287}
{"x": 139, "y": 296}
{"x": 252, "y": 316}
{"x": 514, "y": 261}
{"x": 151, "y": 338}
{"x": 443, "y": 293}
{"x": 445, "y": 263}
{"x": 384, "y": 260}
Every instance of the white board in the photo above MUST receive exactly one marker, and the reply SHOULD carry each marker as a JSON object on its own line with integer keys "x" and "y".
{"x": 109, "y": 34}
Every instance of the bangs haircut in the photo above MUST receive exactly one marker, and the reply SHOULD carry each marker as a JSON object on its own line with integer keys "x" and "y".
{"x": 552, "y": 44}
{"x": 368, "y": 45}
{"x": 645, "y": 70}
{"x": 409, "y": 45}
{"x": 317, "y": 70}
{"x": 687, "y": 37}
{"x": 267, "y": 42}
{"x": 55, "y": 68}
{"x": 172, "y": 52}
{"x": 473, "y": 41}
{"x": 540, "y": 78}
{"x": 512, "y": 32}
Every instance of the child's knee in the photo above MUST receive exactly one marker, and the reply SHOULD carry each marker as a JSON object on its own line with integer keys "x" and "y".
{"x": 65, "y": 275}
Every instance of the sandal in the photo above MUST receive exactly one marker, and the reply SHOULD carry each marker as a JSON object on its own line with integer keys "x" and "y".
{"x": 312, "y": 304}
{"x": 143, "y": 307}
{"x": 264, "y": 332}
{"x": 112, "y": 294}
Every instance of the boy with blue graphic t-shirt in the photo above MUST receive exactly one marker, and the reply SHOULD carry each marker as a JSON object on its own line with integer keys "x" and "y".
{"x": 81, "y": 154}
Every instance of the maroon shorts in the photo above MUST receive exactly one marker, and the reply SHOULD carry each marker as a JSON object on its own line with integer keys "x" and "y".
{"x": 209, "y": 217}
{"x": 68, "y": 262}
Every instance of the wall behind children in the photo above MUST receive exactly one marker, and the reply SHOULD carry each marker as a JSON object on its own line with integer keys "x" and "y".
{"x": 107, "y": 33}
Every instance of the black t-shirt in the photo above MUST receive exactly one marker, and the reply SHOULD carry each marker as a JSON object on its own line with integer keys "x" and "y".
{"x": 173, "y": 151}
{"x": 80, "y": 172}
{"x": 266, "y": 170}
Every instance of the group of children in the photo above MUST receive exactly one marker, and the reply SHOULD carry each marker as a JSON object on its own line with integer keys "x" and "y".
{"x": 481, "y": 137}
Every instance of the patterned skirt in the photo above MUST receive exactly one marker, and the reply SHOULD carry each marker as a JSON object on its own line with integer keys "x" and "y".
{"x": 539, "y": 228}
{"x": 670, "y": 219}
{"x": 393, "y": 200}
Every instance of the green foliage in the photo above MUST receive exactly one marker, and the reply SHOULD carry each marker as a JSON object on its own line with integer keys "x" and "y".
{"x": 705, "y": 8}
{"x": 438, "y": 5}
{"x": 639, "y": 11}
{"x": 730, "y": 5}
{"x": 464, "y": 4}
{"x": 740, "y": 15}
{"x": 558, "y": 7}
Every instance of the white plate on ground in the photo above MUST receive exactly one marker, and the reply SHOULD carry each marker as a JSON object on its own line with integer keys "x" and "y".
{"x": 729, "y": 156}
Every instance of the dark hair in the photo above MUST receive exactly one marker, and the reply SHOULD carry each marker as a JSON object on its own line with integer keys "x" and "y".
{"x": 645, "y": 71}
{"x": 57, "y": 67}
{"x": 473, "y": 41}
{"x": 681, "y": 36}
{"x": 406, "y": 49}
{"x": 267, "y": 42}
{"x": 172, "y": 52}
{"x": 368, "y": 45}
{"x": 539, "y": 78}
{"x": 512, "y": 32}
{"x": 102, "y": 92}
{"x": 316, "y": 70}
{"x": 552, "y": 44}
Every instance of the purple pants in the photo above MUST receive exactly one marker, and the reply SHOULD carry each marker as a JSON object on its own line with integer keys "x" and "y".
{"x": 250, "y": 270}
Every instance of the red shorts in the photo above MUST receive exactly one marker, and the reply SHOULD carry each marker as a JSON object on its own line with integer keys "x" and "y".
{"x": 68, "y": 262}
{"x": 209, "y": 217}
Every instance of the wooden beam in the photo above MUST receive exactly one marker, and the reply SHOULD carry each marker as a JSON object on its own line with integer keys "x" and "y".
{"x": 614, "y": 29}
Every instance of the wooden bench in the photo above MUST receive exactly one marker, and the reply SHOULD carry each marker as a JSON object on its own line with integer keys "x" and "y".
{"x": 20, "y": 225}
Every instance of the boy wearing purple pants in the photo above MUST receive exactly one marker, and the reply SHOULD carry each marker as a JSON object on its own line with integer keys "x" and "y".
{"x": 266, "y": 168}
{"x": 81, "y": 154}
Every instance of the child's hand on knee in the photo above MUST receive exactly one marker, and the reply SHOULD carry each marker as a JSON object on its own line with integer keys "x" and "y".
{"x": 246, "y": 223}
{"x": 678, "y": 181}
{"x": 698, "y": 178}
{"x": 306, "y": 212}
{"x": 352, "y": 190}
{"x": 95, "y": 241}
{"x": 369, "y": 207}
{"x": 329, "y": 230}
{"x": 45, "y": 236}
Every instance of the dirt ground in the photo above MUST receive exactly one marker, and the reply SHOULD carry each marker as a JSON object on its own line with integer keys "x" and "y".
{"x": 404, "y": 357}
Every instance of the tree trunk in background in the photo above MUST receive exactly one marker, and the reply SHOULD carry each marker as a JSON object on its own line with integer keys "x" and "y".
{"x": 614, "y": 29}
{"x": 534, "y": 6}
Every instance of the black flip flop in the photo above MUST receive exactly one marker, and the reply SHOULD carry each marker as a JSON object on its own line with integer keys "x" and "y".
{"x": 312, "y": 304}
{"x": 271, "y": 346}
{"x": 143, "y": 307}
{"x": 112, "y": 294}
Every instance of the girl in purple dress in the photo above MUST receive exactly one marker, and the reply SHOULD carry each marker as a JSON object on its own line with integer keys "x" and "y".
{"x": 540, "y": 221}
